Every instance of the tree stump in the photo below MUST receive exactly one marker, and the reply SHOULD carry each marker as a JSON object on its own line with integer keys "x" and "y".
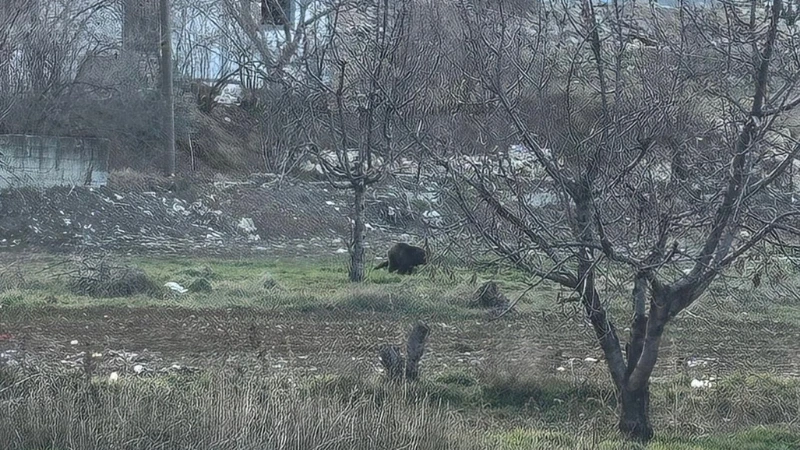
{"x": 488, "y": 296}
{"x": 392, "y": 361}
{"x": 415, "y": 348}
{"x": 397, "y": 367}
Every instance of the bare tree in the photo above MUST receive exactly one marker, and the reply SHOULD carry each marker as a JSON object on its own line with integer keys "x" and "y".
{"x": 276, "y": 33}
{"x": 362, "y": 81}
{"x": 45, "y": 48}
{"x": 625, "y": 162}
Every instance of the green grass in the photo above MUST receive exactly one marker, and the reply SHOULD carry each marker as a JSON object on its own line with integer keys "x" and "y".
{"x": 296, "y": 284}
{"x": 501, "y": 404}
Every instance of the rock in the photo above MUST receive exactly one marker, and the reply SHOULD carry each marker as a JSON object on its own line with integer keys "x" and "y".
{"x": 488, "y": 295}
{"x": 268, "y": 282}
{"x": 200, "y": 285}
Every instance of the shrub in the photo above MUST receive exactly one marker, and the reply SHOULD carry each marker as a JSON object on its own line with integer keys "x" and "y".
{"x": 101, "y": 279}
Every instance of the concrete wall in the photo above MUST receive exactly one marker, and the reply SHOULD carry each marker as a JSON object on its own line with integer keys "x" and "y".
{"x": 43, "y": 161}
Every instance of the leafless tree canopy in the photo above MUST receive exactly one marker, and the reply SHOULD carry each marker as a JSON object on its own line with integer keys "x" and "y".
{"x": 577, "y": 141}
{"x": 653, "y": 143}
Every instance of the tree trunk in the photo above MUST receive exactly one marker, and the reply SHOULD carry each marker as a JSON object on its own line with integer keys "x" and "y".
{"x": 634, "y": 421}
{"x": 166, "y": 87}
{"x": 357, "y": 252}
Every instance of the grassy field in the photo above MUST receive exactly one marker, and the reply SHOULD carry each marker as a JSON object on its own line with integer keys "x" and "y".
{"x": 283, "y": 354}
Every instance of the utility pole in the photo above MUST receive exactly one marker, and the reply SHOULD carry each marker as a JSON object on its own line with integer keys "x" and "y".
{"x": 166, "y": 85}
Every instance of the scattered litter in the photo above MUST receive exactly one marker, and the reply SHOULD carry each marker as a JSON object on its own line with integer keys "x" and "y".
{"x": 699, "y": 362}
{"x": 138, "y": 368}
{"x": 113, "y": 377}
{"x": 701, "y": 383}
{"x": 247, "y": 225}
{"x": 73, "y": 342}
{"x": 176, "y": 287}
{"x": 8, "y": 358}
{"x": 591, "y": 360}
{"x": 561, "y": 369}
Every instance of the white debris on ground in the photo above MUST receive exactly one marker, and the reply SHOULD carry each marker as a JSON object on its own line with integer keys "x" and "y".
{"x": 701, "y": 384}
{"x": 176, "y": 287}
{"x": 432, "y": 217}
{"x": 9, "y": 358}
{"x": 700, "y": 362}
{"x": 572, "y": 363}
{"x": 220, "y": 216}
{"x": 247, "y": 225}
{"x": 230, "y": 94}
{"x": 117, "y": 362}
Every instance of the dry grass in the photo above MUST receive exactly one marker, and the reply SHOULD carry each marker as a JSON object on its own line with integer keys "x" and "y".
{"x": 237, "y": 410}
{"x": 216, "y": 412}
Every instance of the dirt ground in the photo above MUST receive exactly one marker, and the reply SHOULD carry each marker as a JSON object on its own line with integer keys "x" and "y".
{"x": 271, "y": 340}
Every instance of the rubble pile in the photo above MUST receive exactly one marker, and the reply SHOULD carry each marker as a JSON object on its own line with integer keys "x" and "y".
{"x": 64, "y": 217}
{"x": 260, "y": 212}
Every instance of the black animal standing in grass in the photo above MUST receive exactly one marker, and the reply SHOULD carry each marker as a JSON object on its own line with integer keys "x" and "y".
{"x": 403, "y": 258}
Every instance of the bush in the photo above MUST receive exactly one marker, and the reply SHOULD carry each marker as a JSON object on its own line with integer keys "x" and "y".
{"x": 101, "y": 279}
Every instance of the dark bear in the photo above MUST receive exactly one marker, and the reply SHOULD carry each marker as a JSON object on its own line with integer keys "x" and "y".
{"x": 403, "y": 258}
